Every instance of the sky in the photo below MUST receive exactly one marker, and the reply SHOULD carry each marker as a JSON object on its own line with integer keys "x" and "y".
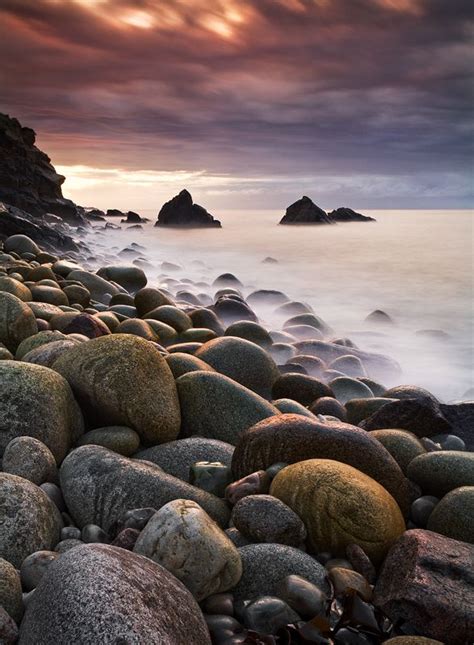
{"x": 247, "y": 103}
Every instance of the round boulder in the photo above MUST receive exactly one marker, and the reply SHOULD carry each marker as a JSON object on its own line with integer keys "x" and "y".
{"x": 123, "y": 380}
{"x": 453, "y": 516}
{"x": 340, "y": 506}
{"x": 243, "y": 361}
{"x": 29, "y": 458}
{"x": 37, "y": 402}
{"x": 439, "y": 472}
{"x": 17, "y": 321}
{"x": 185, "y": 540}
{"x": 110, "y": 595}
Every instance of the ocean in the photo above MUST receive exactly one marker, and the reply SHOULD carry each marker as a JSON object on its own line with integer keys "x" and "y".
{"x": 417, "y": 266}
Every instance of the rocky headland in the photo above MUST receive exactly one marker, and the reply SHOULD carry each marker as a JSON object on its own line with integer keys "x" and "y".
{"x": 176, "y": 469}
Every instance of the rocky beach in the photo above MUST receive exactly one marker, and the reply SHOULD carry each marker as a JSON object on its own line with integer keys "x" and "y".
{"x": 188, "y": 460}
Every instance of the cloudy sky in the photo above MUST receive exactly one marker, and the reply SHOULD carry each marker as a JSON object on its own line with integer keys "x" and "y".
{"x": 248, "y": 103}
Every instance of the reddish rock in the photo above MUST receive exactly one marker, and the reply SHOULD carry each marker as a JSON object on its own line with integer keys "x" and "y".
{"x": 87, "y": 325}
{"x": 126, "y": 539}
{"x": 257, "y": 483}
{"x": 427, "y": 581}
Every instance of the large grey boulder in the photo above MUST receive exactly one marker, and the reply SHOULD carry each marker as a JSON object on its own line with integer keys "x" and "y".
{"x": 17, "y": 321}
{"x": 99, "y": 486}
{"x": 103, "y": 594}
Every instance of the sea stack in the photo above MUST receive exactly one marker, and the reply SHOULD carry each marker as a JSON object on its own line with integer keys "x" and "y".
{"x": 346, "y": 214}
{"x": 305, "y": 211}
{"x": 180, "y": 212}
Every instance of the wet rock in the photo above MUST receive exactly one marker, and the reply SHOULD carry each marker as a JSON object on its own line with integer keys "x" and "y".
{"x": 219, "y": 603}
{"x": 230, "y": 310}
{"x": 111, "y": 595}
{"x": 360, "y": 562}
{"x": 439, "y": 472}
{"x": 421, "y": 509}
{"x": 300, "y": 388}
{"x": 181, "y": 363}
{"x": 426, "y": 582}
{"x": 87, "y": 325}
{"x": 29, "y": 521}
{"x": 460, "y": 417}
{"x": 453, "y": 516}
{"x": 267, "y": 614}
{"x": 345, "y": 389}
{"x": 48, "y": 353}
{"x": 99, "y": 486}
{"x": 208, "y": 319}
{"x": 186, "y": 541}
{"x": 292, "y": 438}
{"x": 257, "y": 483}
{"x": 29, "y": 458}
{"x": 307, "y": 599}
{"x": 99, "y": 288}
{"x": 340, "y": 506}
{"x": 16, "y": 288}
{"x": 37, "y": 402}
{"x": 263, "y": 518}
{"x": 288, "y": 406}
{"x": 149, "y": 298}
{"x": 76, "y": 294}
{"x": 211, "y": 476}
{"x": 132, "y": 278}
{"x": 126, "y": 539}
{"x": 265, "y": 565}
{"x": 122, "y": 380}
{"x": 215, "y": 406}
{"x": 344, "y": 580}
{"x": 422, "y": 417}
{"x": 250, "y": 331}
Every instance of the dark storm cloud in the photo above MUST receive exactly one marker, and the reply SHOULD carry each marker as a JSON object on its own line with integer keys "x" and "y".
{"x": 257, "y": 86}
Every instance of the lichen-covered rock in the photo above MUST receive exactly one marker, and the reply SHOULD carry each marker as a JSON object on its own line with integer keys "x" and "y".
{"x": 123, "y": 380}
{"x": 441, "y": 471}
{"x": 103, "y": 594}
{"x": 340, "y": 506}
{"x": 17, "y": 321}
{"x": 29, "y": 521}
{"x": 99, "y": 486}
{"x": 37, "y": 402}
{"x": 185, "y": 540}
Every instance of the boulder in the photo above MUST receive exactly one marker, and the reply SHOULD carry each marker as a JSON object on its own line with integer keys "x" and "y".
{"x": 441, "y": 471}
{"x": 29, "y": 521}
{"x": 99, "y": 486}
{"x": 453, "y": 516}
{"x": 263, "y": 518}
{"x": 340, "y": 506}
{"x": 15, "y": 287}
{"x": 243, "y": 361}
{"x": 120, "y": 439}
{"x": 37, "y": 402}
{"x": 29, "y": 458}
{"x": 100, "y": 289}
{"x": 291, "y": 438}
{"x": 422, "y": 417}
{"x": 305, "y": 211}
{"x": 123, "y": 380}
{"x": 180, "y": 212}
{"x": 17, "y": 321}
{"x": 215, "y": 406}
{"x": 177, "y": 457}
{"x": 265, "y": 565}
{"x": 185, "y": 540}
{"x": 98, "y": 593}
{"x": 181, "y": 363}
{"x": 300, "y": 387}
{"x": 10, "y": 591}
{"x": 426, "y": 583}
{"x": 131, "y": 278}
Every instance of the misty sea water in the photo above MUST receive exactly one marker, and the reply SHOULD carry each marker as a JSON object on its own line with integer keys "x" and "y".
{"x": 417, "y": 266}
